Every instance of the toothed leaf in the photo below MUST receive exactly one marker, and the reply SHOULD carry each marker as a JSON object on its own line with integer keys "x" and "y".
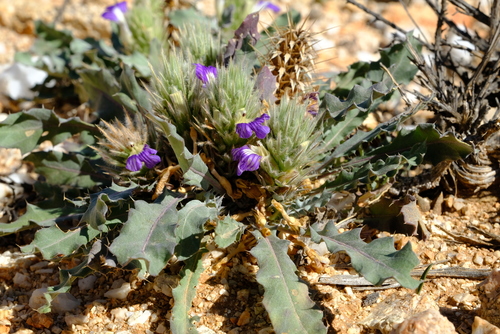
{"x": 149, "y": 234}
{"x": 184, "y": 293}
{"x": 52, "y": 241}
{"x": 189, "y": 230}
{"x": 377, "y": 260}
{"x": 286, "y": 298}
{"x": 228, "y": 231}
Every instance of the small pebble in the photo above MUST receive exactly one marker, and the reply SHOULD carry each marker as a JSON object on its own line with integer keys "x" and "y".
{"x": 45, "y": 271}
{"x": 78, "y": 319}
{"x": 139, "y": 318}
{"x": 37, "y": 298}
{"x": 120, "y": 313}
{"x": 478, "y": 259}
{"x": 371, "y": 299}
{"x": 481, "y": 326}
{"x": 56, "y": 330}
{"x": 461, "y": 257}
{"x": 87, "y": 283}
{"x": 165, "y": 283}
{"x": 39, "y": 265}
{"x": 40, "y": 320}
{"x": 458, "y": 298}
{"x": 119, "y": 293}
{"x": 161, "y": 328}
{"x": 64, "y": 302}
{"x": 205, "y": 330}
{"x": 244, "y": 318}
{"x": 243, "y": 295}
{"x": 22, "y": 281}
{"x": 267, "y": 330}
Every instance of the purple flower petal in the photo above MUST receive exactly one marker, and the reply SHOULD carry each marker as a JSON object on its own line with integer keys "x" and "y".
{"x": 115, "y": 12}
{"x": 257, "y": 126}
{"x": 261, "y": 131}
{"x": 244, "y": 130}
{"x": 148, "y": 156}
{"x": 247, "y": 159}
{"x": 268, "y": 5}
{"x": 205, "y": 73}
{"x": 121, "y": 6}
{"x": 133, "y": 163}
{"x": 313, "y": 103}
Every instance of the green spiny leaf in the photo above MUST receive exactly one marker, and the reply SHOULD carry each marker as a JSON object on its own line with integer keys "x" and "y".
{"x": 149, "y": 233}
{"x": 377, "y": 260}
{"x": 184, "y": 293}
{"x": 99, "y": 87}
{"x": 25, "y": 130}
{"x": 228, "y": 231}
{"x": 95, "y": 215}
{"x": 69, "y": 169}
{"x": 337, "y": 133}
{"x": 190, "y": 229}
{"x": 52, "y": 241}
{"x": 136, "y": 95}
{"x": 359, "y": 97}
{"x": 286, "y": 298}
{"x": 21, "y": 130}
{"x": 439, "y": 147}
{"x": 36, "y": 216}
{"x": 360, "y": 137}
{"x": 397, "y": 59}
{"x": 137, "y": 61}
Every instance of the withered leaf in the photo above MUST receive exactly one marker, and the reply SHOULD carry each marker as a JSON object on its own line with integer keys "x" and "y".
{"x": 248, "y": 28}
{"x": 266, "y": 84}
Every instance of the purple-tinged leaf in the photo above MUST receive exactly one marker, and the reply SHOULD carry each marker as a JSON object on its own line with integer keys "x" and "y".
{"x": 266, "y": 85}
{"x": 249, "y": 28}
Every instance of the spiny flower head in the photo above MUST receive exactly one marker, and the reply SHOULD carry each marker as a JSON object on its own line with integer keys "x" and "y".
{"x": 222, "y": 103}
{"x": 291, "y": 58}
{"x": 125, "y": 145}
{"x": 293, "y": 144}
{"x": 146, "y": 23}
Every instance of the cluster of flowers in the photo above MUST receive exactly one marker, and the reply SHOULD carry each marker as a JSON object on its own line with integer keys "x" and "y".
{"x": 247, "y": 159}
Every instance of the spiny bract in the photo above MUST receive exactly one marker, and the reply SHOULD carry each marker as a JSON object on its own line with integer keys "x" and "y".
{"x": 291, "y": 58}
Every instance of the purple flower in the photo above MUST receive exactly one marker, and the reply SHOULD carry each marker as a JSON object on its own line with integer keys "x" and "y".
{"x": 244, "y": 130}
{"x": 313, "y": 100}
{"x": 267, "y": 5}
{"x": 148, "y": 156}
{"x": 115, "y": 12}
{"x": 205, "y": 73}
{"x": 247, "y": 159}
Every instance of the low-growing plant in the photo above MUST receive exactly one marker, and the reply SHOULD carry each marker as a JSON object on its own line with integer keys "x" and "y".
{"x": 213, "y": 146}
{"x": 460, "y": 71}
